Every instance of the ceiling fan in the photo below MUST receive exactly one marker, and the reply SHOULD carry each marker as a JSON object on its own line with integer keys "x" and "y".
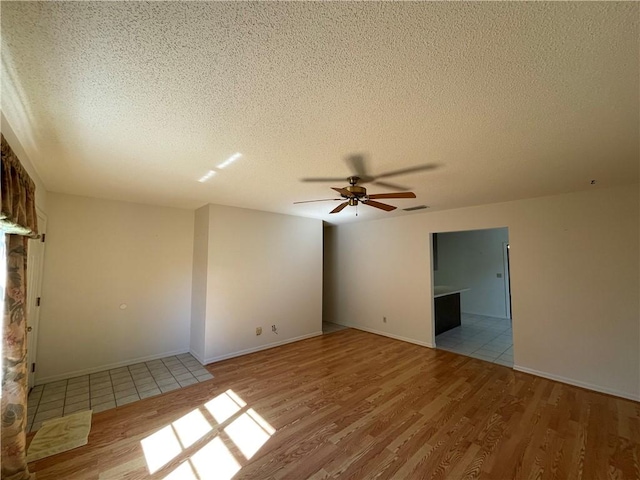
{"x": 354, "y": 193}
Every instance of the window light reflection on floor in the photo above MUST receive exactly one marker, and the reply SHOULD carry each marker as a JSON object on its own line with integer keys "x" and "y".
{"x": 223, "y": 407}
{"x": 261, "y": 421}
{"x": 247, "y": 435}
{"x": 214, "y": 460}
{"x": 160, "y": 448}
{"x": 248, "y": 432}
{"x": 191, "y": 428}
{"x": 183, "y": 472}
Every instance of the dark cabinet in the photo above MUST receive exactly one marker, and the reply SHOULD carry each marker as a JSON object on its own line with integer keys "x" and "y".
{"x": 447, "y": 310}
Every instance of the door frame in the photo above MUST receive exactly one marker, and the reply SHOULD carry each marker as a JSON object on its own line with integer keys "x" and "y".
{"x": 507, "y": 279}
{"x": 34, "y": 291}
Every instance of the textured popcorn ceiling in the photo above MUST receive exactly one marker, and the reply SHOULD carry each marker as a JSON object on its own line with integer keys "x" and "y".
{"x": 137, "y": 101}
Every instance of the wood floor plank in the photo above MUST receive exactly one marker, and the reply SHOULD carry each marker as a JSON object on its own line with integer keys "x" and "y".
{"x": 353, "y": 405}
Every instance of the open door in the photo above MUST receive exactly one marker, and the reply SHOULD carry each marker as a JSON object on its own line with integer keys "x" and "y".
{"x": 507, "y": 279}
{"x": 35, "y": 264}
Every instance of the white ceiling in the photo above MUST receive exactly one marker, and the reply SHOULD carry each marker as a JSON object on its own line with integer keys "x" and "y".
{"x": 137, "y": 101}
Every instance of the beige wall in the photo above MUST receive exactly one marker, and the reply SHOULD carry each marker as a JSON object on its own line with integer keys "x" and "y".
{"x": 263, "y": 269}
{"x": 199, "y": 282}
{"x": 574, "y": 279}
{"x": 101, "y": 254}
{"x": 328, "y": 240}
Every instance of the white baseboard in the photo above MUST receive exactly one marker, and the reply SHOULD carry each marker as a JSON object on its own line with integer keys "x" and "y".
{"x": 110, "y": 366}
{"x": 257, "y": 349}
{"x": 501, "y": 317}
{"x": 197, "y": 357}
{"x": 391, "y": 335}
{"x": 578, "y": 383}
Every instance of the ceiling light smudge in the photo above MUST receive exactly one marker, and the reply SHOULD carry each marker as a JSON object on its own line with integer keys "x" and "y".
{"x": 229, "y": 160}
{"x": 207, "y": 176}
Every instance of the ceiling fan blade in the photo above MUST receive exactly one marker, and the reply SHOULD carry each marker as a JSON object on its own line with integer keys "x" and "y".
{"x": 323, "y": 179}
{"x": 394, "y": 195}
{"x": 392, "y": 186}
{"x": 342, "y": 191}
{"x": 381, "y": 206}
{"x": 340, "y": 207}
{"x": 405, "y": 171}
{"x": 323, "y": 200}
{"x": 357, "y": 165}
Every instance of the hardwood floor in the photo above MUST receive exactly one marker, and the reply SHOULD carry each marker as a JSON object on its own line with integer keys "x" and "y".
{"x": 357, "y": 405}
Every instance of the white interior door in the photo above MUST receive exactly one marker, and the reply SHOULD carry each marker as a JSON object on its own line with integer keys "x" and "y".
{"x": 35, "y": 263}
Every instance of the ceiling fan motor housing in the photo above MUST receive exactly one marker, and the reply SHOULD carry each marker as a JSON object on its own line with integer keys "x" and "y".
{"x": 357, "y": 190}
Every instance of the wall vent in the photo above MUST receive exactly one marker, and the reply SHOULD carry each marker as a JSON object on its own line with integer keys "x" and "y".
{"x": 419, "y": 207}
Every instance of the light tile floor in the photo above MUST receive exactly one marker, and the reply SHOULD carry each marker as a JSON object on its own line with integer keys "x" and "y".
{"x": 112, "y": 388}
{"x": 486, "y": 338}
{"x": 330, "y": 327}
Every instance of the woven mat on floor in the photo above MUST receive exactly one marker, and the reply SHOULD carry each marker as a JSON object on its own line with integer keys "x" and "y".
{"x": 59, "y": 435}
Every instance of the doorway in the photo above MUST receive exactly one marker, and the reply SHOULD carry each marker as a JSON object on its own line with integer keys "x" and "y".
{"x": 328, "y": 283}
{"x": 471, "y": 294}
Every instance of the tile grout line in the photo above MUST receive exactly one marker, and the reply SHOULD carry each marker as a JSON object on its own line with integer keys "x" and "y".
{"x": 130, "y": 374}
{"x": 36, "y": 408}
{"x": 174, "y": 377}
{"x": 150, "y": 375}
{"x": 91, "y": 405}
{"x": 40, "y": 402}
{"x": 135, "y": 386}
{"x": 64, "y": 399}
{"x": 90, "y": 402}
{"x": 188, "y": 370}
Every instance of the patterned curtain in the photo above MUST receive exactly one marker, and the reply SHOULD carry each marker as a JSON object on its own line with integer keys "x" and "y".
{"x": 19, "y": 221}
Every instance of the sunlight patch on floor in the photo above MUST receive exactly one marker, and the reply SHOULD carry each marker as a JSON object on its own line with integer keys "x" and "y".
{"x": 261, "y": 421}
{"x": 214, "y": 460}
{"x": 241, "y": 427}
{"x": 223, "y": 407}
{"x": 160, "y": 448}
{"x": 247, "y": 435}
{"x": 183, "y": 472}
{"x": 191, "y": 428}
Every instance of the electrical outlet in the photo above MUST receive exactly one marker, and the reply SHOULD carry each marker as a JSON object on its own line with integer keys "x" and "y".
{"x": 258, "y": 330}
{"x": 274, "y": 329}
{"x": 384, "y": 319}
